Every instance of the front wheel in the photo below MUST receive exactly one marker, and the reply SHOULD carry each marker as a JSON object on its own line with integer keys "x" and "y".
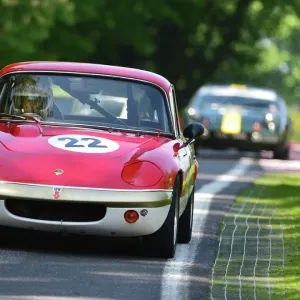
{"x": 162, "y": 243}
{"x": 185, "y": 227}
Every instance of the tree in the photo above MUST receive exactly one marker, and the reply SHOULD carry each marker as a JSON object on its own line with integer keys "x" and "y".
{"x": 190, "y": 42}
{"x": 26, "y": 23}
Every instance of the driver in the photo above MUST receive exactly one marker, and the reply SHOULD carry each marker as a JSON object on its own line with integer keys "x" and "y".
{"x": 33, "y": 94}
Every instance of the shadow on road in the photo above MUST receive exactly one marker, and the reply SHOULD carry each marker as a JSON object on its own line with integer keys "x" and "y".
{"x": 61, "y": 244}
{"x": 230, "y": 154}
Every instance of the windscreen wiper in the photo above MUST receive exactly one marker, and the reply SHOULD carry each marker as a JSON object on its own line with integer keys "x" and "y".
{"x": 95, "y": 105}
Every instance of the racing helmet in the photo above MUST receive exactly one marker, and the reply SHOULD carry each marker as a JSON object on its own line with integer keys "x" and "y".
{"x": 32, "y": 94}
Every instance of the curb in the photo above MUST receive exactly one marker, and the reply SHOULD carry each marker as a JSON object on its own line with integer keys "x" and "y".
{"x": 295, "y": 146}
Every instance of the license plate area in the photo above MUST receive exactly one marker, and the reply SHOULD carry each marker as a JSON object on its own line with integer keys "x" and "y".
{"x": 239, "y": 136}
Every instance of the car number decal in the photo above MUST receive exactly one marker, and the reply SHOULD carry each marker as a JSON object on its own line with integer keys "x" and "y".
{"x": 231, "y": 123}
{"x": 83, "y": 143}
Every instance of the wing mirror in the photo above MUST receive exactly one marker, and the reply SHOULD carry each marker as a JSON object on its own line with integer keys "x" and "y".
{"x": 192, "y": 131}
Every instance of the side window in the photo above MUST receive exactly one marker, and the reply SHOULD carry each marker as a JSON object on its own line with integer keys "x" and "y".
{"x": 283, "y": 104}
{"x": 1, "y": 89}
{"x": 4, "y": 105}
{"x": 284, "y": 111}
{"x": 280, "y": 105}
{"x": 178, "y": 122}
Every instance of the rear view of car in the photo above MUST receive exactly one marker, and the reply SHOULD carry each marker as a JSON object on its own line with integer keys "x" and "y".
{"x": 246, "y": 118}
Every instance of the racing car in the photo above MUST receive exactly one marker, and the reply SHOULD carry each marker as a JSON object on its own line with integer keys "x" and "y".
{"x": 97, "y": 150}
{"x": 242, "y": 117}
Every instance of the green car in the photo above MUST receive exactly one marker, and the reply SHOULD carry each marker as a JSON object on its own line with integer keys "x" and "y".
{"x": 237, "y": 116}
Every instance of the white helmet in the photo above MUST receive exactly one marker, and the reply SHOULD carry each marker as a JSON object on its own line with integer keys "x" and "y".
{"x": 32, "y": 94}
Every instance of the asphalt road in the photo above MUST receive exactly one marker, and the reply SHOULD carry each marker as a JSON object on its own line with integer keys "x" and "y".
{"x": 51, "y": 267}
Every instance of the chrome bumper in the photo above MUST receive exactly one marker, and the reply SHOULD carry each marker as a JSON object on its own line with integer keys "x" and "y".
{"x": 156, "y": 202}
{"x": 108, "y": 197}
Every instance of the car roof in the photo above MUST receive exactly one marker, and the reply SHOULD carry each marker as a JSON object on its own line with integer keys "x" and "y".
{"x": 239, "y": 90}
{"x": 88, "y": 68}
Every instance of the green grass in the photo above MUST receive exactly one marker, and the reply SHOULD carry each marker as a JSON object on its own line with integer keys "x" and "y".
{"x": 282, "y": 192}
{"x": 295, "y": 116}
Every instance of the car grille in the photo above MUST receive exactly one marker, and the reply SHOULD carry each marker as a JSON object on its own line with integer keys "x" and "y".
{"x": 56, "y": 211}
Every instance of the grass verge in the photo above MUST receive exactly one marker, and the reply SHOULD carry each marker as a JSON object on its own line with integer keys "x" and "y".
{"x": 282, "y": 193}
{"x": 295, "y": 116}
{"x": 252, "y": 243}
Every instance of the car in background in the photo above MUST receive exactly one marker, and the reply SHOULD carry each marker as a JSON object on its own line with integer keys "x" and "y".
{"x": 97, "y": 150}
{"x": 241, "y": 117}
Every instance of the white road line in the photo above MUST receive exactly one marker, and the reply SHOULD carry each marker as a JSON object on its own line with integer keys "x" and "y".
{"x": 174, "y": 285}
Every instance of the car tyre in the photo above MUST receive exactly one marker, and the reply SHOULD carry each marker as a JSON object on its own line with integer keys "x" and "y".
{"x": 282, "y": 152}
{"x": 185, "y": 227}
{"x": 162, "y": 243}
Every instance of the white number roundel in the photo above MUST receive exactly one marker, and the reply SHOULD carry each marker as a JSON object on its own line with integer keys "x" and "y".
{"x": 83, "y": 143}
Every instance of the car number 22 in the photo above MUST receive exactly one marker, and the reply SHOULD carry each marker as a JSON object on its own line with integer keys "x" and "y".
{"x": 72, "y": 142}
{"x": 83, "y": 143}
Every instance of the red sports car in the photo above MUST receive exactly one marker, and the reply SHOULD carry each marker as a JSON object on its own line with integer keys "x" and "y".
{"x": 96, "y": 150}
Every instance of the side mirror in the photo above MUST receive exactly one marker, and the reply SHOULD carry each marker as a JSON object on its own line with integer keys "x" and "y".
{"x": 192, "y": 131}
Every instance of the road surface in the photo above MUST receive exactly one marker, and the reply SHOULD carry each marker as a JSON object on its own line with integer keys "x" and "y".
{"x": 50, "y": 267}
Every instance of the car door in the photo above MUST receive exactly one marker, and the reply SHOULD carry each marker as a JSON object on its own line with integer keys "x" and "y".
{"x": 185, "y": 154}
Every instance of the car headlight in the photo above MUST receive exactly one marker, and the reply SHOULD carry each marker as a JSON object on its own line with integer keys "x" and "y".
{"x": 191, "y": 111}
{"x": 269, "y": 117}
{"x": 142, "y": 173}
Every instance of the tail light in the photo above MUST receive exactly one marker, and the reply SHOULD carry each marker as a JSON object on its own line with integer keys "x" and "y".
{"x": 256, "y": 126}
{"x": 205, "y": 123}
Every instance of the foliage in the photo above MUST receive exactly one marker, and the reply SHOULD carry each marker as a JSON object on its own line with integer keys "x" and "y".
{"x": 275, "y": 62}
{"x": 279, "y": 193}
{"x": 294, "y": 113}
{"x": 191, "y": 42}
{"x": 26, "y": 23}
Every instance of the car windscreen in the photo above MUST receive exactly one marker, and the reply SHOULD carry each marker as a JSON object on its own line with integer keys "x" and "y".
{"x": 218, "y": 101}
{"x": 87, "y": 100}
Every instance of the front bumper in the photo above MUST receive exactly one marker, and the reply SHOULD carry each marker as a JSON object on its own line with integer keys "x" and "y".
{"x": 112, "y": 223}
